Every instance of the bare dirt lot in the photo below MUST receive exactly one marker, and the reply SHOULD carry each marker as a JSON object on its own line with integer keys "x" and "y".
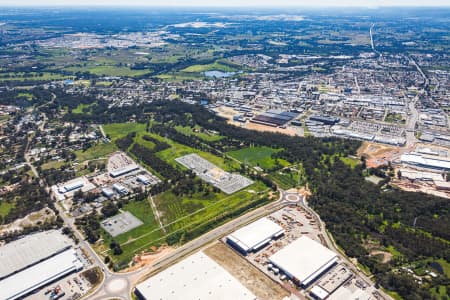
{"x": 262, "y": 286}
{"x": 149, "y": 258}
{"x": 377, "y": 154}
{"x": 32, "y": 219}
{"x": 261, "y": 127}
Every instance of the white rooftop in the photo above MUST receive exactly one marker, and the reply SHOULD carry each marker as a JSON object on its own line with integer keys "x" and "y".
{"x": 418, "y": 159}
{"x": 31, "y": 249}
{"x": 304, "y": 259}
{"x": 197, "y": 277}
{"x": 255, "y": 234}
{"x": 343, "y": 293}
{"x": 34, "y": 277}
{"x": 319, "y": 292}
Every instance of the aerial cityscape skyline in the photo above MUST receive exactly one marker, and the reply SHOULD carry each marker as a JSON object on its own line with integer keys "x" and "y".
{"x": 227, "y": 150}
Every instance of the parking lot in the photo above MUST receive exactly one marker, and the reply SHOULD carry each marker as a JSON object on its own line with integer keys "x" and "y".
{"x": 71, "y": 287}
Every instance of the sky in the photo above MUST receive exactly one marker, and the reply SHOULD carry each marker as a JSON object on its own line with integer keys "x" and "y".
{"x": 227, "y": 3}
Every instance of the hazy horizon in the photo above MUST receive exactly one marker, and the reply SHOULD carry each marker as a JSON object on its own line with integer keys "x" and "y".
{"x": 229, "y": 3}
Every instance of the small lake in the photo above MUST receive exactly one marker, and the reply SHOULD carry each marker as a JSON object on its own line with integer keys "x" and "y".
{"x": 218, "y": 74}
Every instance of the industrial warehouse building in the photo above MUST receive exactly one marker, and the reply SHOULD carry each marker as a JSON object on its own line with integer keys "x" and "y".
{"x": 197, "y": 277}
{"x": 34, "y": 261}
{"x": 423, "y": 161}
{"x": 255, "y": 235}
{"x": 123, "y": 171}
{"x": 71, "y": 186}
{"x": 274, "y": 117}
{"x": 304, "y": 260}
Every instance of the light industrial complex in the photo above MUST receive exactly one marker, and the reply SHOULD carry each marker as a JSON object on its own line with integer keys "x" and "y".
{"x": 304, "y": 260}
{"x": 196, "y": 277}
{"x": 255, "y": 235}
{"x": 34, "y": 261}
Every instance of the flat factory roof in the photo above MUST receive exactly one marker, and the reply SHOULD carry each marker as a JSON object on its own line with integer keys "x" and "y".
{"x": 256, "y": 234}
{"x": 197, "y": 277}
{"x": 343, "y": 293}
{"x": 304, "y": 259}
{"x": 31, "y": 249}
{"x": 39, "y": 275}
{"x": 124, "y": 170}
{"x": 417, "y": 159}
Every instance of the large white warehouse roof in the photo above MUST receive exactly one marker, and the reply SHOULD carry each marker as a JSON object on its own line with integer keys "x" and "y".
{"x": 26, "y": 281}
{"x": 304, "y": 260}
{"x": 423, "y": 161}
{"x": 255, "y": 235}
{"x": 29, "y": 250}
{"x": 197, "y": 277}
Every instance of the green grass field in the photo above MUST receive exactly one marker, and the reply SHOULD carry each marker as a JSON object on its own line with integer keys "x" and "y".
{"x": 55, "y": 164}
{"x": 5, "y": 208}
{"x": 32, "y": 76}
{"x": 97, "y": 151}
{"x": 351, "y": 162}
{"x": 132, "y": 240}
{"x": 258, "y": 156}
{"x": 216, "y": 66}
{"x": 109, "y": 70}
{"x": 79, "y": 109}
{"x": 177, "y": 77}
{"x": 286, "y": 179}
{"x": 118, "y": 130}
{"x": 26, "y": 95}
{"x": 203, "y": 135}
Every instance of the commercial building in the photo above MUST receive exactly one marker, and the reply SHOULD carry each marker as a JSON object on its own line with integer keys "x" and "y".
{"x": 37, "y": 276}
{"x": 71, "y": 186}
{"x": 347, "y": 294}
{"x": 143, "y": 179}
{"x": 120, "y": 189}
{"x": 35, "y": 261}
{"x": 123, "y": 171}
{"x": 108, "y": 192}
{"x": 304, "y": 260}
{"x": 327, "y": 120}
{"x": 255, "y": 235}
{"x": 274, "y": 117}
{"x": 20, "y": 254}
{"x": 197, "y": 277}
{"x": 423, "y": 161}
